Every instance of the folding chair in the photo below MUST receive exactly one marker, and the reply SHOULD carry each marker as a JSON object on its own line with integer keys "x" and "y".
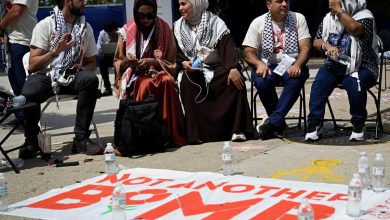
{"x": 61, "y": 98}
{"x": 9, "y": 111}
{"x": 302, "y": 108}
{"x": 376, "y": 95}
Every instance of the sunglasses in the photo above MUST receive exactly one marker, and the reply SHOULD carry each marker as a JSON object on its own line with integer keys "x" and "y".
{"x": 146, "y": 16}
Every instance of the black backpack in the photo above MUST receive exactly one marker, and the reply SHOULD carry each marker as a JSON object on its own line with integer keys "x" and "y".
{"x": 139, "y": 127}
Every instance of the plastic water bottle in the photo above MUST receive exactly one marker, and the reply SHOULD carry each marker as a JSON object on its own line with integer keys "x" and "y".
{"x": 355, "y": 189}
{"x": 3, "y": 193}
{"x": 18, "y": 162}
{"x": 305, "y": 211}
{"x": 110, "y": 158}
{"x": 119, "y": 202}
{"x": 227, "y": 159}
{"x": 364, "y": 169}
{"x": 378, "y": 173}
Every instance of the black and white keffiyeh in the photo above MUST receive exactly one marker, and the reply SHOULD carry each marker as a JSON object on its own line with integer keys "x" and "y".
{"x": 291, "y": 43}
{"x": 69, "y": 57}
{"x": 209, "y": 31}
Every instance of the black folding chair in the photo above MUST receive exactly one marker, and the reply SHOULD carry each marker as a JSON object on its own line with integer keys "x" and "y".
{"x": 9, "y": 111}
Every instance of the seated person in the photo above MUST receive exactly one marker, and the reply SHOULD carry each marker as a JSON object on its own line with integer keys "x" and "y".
{"x": 349, "y": 26}
{"x": 213, "y": 94}
{"x": 145, "y": 48}
{"x": 58, "y": 47}
{"x": 276, "y": 34}
{"x": 107, "y": 35}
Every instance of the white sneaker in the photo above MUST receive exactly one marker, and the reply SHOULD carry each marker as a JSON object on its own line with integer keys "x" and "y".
{"x": 238, "y": 137}
{"x": 314, "y": 133}
{"x": 358, "y": 134}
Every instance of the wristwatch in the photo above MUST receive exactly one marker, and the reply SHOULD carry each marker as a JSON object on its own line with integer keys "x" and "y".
{"x": 338, "y": 14}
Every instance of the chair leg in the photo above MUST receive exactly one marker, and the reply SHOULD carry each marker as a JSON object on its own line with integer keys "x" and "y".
{"x": 304, "y": 110}
{"x": 332, "y": 115}
{"x": 96, "y": 133}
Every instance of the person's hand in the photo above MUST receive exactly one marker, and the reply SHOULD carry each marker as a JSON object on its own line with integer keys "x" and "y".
{"x": 262, "y": 70}
{"x": 236, "y": 78}
{"x": 187, "y": 66}
{"x": 294, "y": 71}
{"x": 334, "y": 6}
{"x": 332, "y": 51}
{"x": 63, "y": 44}
{"x": 2, "y": 40}
{"x": 145, "y": 63}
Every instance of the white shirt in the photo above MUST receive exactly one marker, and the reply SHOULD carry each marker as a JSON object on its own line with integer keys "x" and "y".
{"x": 254, "y": 36}
{"x": 20, "y": 32}
{"x": 103, "y": 38}
{"x": 44, "y": 30}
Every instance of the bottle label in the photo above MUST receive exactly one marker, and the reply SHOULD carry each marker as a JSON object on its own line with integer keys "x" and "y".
{"x": 354, "y": 194}
{"x": 227, "y": 157}
{"x": 363, "y": 168}
{"x": 378, "y": 171}
{"x": 110, "y": 157}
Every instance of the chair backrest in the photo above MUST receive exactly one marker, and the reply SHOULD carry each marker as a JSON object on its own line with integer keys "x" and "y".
{"x": 384, "y": 35}
{"x": 25, "y": 61}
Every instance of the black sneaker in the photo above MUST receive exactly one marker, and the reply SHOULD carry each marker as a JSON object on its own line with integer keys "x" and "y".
{"x": 86, "y": 146}
{"x": 107, "y": 92}
{"x": 266, "y": 130}
{"x": 11, "y": 123}
{"x": 28, "y": 151}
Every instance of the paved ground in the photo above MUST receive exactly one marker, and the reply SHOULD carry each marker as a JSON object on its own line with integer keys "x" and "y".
{"x": 277, "y": 158}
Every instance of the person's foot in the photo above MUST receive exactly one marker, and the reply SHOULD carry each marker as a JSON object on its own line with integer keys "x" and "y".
{"x": 238, "y": 137}
{"x": 266, "y": 130}
{"x": 86, "y": 146}
{"x": 107, "y": 92}
{"x": 314, "y": 132}
{"x": 358, "y": 133}
{"x": 28, "y": 151}
{"x": 11, "y": 123}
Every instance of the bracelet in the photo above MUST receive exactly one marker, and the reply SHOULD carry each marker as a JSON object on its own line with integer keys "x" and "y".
{"x": 338, "y": 14}
{"x": 53, "y": 54}
{"x": 322, "y": 46}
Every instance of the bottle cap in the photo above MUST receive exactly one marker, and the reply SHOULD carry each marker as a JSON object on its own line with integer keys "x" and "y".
{"x": 356, "y": 175}
{"x": 378, "y": 154}
{"x": 226, "y": 144}
{"x": 363, "y": 153}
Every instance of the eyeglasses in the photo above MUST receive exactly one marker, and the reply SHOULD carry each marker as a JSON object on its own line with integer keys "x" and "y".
{"x": 146, "y": 16}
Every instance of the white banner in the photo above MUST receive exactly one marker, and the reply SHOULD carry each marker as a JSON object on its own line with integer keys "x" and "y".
{"x": 167, "y": 194}
{"x": 164, "y": 10}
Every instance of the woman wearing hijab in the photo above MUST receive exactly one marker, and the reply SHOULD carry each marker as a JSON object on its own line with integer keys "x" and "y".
{"x": 146, "y": 49}
{"x": 212, "y": 88}
{"x": 347, "y": 37}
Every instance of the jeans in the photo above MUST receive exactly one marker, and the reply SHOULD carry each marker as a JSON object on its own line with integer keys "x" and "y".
{"x": 16, "y": 73}
{"x": 104, "y": 63}
{"x": 277, "y": 108}
{"x": 323, "y": 86}
{"x": 38, "y": 89}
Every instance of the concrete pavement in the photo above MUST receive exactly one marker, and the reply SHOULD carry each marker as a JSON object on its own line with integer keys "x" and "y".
{"x": 277, "y": 158}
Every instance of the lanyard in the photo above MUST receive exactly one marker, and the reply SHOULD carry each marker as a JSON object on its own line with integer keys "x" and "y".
{"x": 144, "y": 44}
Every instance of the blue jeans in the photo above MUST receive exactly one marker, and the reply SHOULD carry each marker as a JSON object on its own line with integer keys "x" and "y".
{"x": 277, "y": 108}
{"x": 16, "y": 73}
{"x": 323, "y": 86}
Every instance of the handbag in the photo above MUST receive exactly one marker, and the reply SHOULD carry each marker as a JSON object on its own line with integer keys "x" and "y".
{"x": 139, "y": 127}
{"x": 343, "y": 42}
